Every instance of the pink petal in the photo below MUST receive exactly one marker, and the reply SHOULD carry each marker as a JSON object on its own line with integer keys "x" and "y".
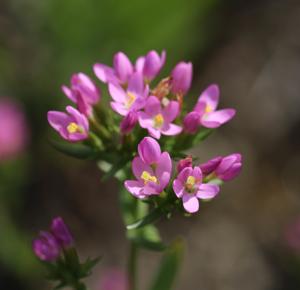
{"x": 210, "y": 96}
{"x": 171, "y": 129}
{"x": 58, "y": 120}
{"x": 105, "y": 73}
{"x": 138, "y": 166}
{"x": 217, "y": 118}
{"x": 122, "y": 66}
{"x": 145, "y": 121}
{"x": 152, "y": 106}
{"x": 191, "y": 122}
{"x": 79, "y": 118}
{"x": 164, "y": 165}
{"x": 208, "y": 191}
{"x": 119, "y": 108}
{"x": 154, "y": 132}
{"x": 139, "y": 64}
{"x": 197, "y": 173}
{"x": 178, "y": 188}
{"x": 117, "y": 93}
{"x": 135, "y": 188}
{"x": 149, "y": 150}
{"x": 171, "y": 111}
{"x": 184, "y": 174}
{"x": 190, "y": 203}
{"x": 68, "y": 92}
{"x": 136, "y": 84}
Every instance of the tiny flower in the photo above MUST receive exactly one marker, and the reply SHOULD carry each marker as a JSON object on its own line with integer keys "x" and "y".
{"x": 61, "y": 232}
{"x": 131, "y": 99}
{"x": 183, "y": 163}
{"x": 151, "y": 64}
{"x": 224, "y": 168}
{"x": 181, "y": 77}
{"x": 73, "y": 126}
{"x": 129, "y": 122}
{"x": 46, "y": 247}
{"x": 82, "y": 92}
{"x": 157, "y": 120}
{"x": 152, "y": 170}
{"x": 13, "y": 129}
{"x": 206, "y": 107}
{"x": 119, "y": 74}
{"x": 189, "y": 187}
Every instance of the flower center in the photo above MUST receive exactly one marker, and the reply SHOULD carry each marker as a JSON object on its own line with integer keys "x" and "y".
{"x": 147, "y": 177}
{"x": 190, "y": 183}
{"x": 158, "y": 120}
{"x": 131, "y": 99}
{"x": 74, "y": 128}
{"x": 208, "y": 109}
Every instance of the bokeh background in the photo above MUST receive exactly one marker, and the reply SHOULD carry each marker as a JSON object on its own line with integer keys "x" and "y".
{"x": 250, "y": 48}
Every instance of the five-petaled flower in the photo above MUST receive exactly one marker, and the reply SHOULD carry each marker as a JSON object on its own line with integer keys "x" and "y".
{"x": 73, "y": 126}
{"x": 205, "y": 112}
{"x": 152, "y": 170}
{"x": 189, "y": 187}
{"x": 157, "y": 119}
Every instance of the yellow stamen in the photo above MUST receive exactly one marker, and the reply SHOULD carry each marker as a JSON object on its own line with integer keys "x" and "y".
{"x": 73, "y": 128}
{"x": 190, "y": 182}
{"x": 158, "y": 120}
{"x": 208, "y": 109}
{"x": 131, "y": 99}
{"x": 146, "y": 176}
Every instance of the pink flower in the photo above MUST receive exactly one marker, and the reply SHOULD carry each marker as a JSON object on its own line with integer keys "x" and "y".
{"x": 131, "y": 99}
{"x": 181, "y": 78}
{"x": 224, "y": 168}
{"x": 157, "y": 119}
{"x": 13, "y": 129}
{"x": 45, "y": 247}
{"x": 205, "y": 113}
{"x": 188, "y": 186}
{"x": 73, "y": 126}
{"x": 151, "y": 64}
{"x": 83, "y": 92}
{"x": 119, "y": 74}
{"x": 129, "y": 122}
{"x": 183, "y": 163}
{"x": 152, "y": 170}
{"x": 61, "y": 232}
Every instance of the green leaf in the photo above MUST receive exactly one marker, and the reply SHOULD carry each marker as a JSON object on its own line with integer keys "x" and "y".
{"x": 87, "y": 266}
{"x": 165, "y": 276}
{"x": 75, "y": 150}
{"x": 202, "y": 135}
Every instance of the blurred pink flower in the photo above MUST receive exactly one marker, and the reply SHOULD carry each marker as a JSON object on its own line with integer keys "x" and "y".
{"x": 113, "y": 279}
{"x": 13, "y": 129}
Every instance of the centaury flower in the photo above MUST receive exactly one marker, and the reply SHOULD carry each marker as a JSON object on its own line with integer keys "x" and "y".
{"x": 73, "y": 126}
{"x": 158, "y": 120}
{"x": 152, "y": 170}
{"x": 205, "y": 112}
{"x": 181, "y": 78}
{"x": 61, "y": 232}
{"x": 188, "y": 186}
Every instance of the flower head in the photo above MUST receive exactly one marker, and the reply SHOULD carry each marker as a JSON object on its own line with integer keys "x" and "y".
{"x": 158, "y": 120}
{"x": 73, "y": 126}
{"x": 13, "y": 129}
{"x": 224, "y": 168}
{"x": 189, "y": 187}
{"x": 131, "y": 99}
{"x": 181, "y": 78}
{"x": 129, "y": 122}
{"x": 61, "y": 232}
{"x": 151, "y": 64}
{"x": 45, "y": 247}
{"x": 152, "y": 170}
{"x": 83, "y": 92}
{"x": 205, "y": 112}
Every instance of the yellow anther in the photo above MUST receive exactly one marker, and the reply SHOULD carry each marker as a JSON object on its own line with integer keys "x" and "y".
{"x": 146, "y": 176}
{"x": 131, "y": 99}
{"x": 73, "y": 128}
{"x": 190, "y": 182}
{"x": 208, "y": 109}
{"x": 158, "y": 120}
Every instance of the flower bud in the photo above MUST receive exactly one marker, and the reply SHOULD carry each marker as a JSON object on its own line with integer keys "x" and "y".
{"x": 149, "y": 150}
{"x": 229, "y": 167}
{"x": 182, "y": 77}
{"x": 191, "y": 122}
{"x": 122, "y": 66}
{"x": 183, "y": 163}
{"x": 129, "y": 122}
{"x": 45, "y": 247}
{"x": 61, "y": 232}
{"x": 211, "y": 165}
{"x": 153, "y": 64}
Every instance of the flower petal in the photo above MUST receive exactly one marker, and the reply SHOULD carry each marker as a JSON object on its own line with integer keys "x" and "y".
{"x": 105, "y": 73}
{"x": 171, "y": 111}
{"x": 210, "y": 96}
{"x": 190, "y": 203}
{"x": 178, "y": 188}
{"x": 152, "y": 106}
{"x": 135, "y": 188}
{"x": 171, "y": 129}
{"x": 139, "y": 166}
{"x": 117, "y": 93}
{"x": 217, "y": 118}
{"x": 149, "y": 150}
{"x": 123, "y": 67}
{"x": 119, "y": 108}
{"x": 208, "y": 191}
{"x": 191, "y": 122}
{"x": 136, "y": 84}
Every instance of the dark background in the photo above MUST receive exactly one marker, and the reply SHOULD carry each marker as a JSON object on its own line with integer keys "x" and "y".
{"x": 250, "y": 48}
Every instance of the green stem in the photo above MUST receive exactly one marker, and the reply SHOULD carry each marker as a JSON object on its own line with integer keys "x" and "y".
{"x": 132, "y": 266}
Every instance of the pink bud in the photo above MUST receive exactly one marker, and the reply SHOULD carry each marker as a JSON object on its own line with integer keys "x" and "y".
{"x": 181, "y": 77}
{"x": 61, "y": 232}
{"x": 129, "y": 122}
{"x": 191, "y": 122}
{"x": 183, "y": 163}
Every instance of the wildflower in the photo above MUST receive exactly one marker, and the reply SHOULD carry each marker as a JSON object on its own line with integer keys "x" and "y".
{"x": 157, "y": 120}
{"x": 129, "y": 122}
{"x": 151, "y": 64}
{"x": 224, "y": 168}
{"x": 119, "y": 74}
{"x": 183, "y": 163}
{"x": 181, "y": 78}
{"x": 73, "y": 126}
{"x": 61, "y": 232}
{"x": 152, "y": 170}
{"x": 45, "y": 247}
{"x": 13, "y": 129}
{"x": 188, "y": 186}
{"x": 131, "y": 99}
{"x": 83, "y": 92}
{"x": 205, "y": 113}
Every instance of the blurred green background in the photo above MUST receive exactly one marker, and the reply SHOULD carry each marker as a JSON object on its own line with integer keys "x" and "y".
{"x": 251, "y": 48}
